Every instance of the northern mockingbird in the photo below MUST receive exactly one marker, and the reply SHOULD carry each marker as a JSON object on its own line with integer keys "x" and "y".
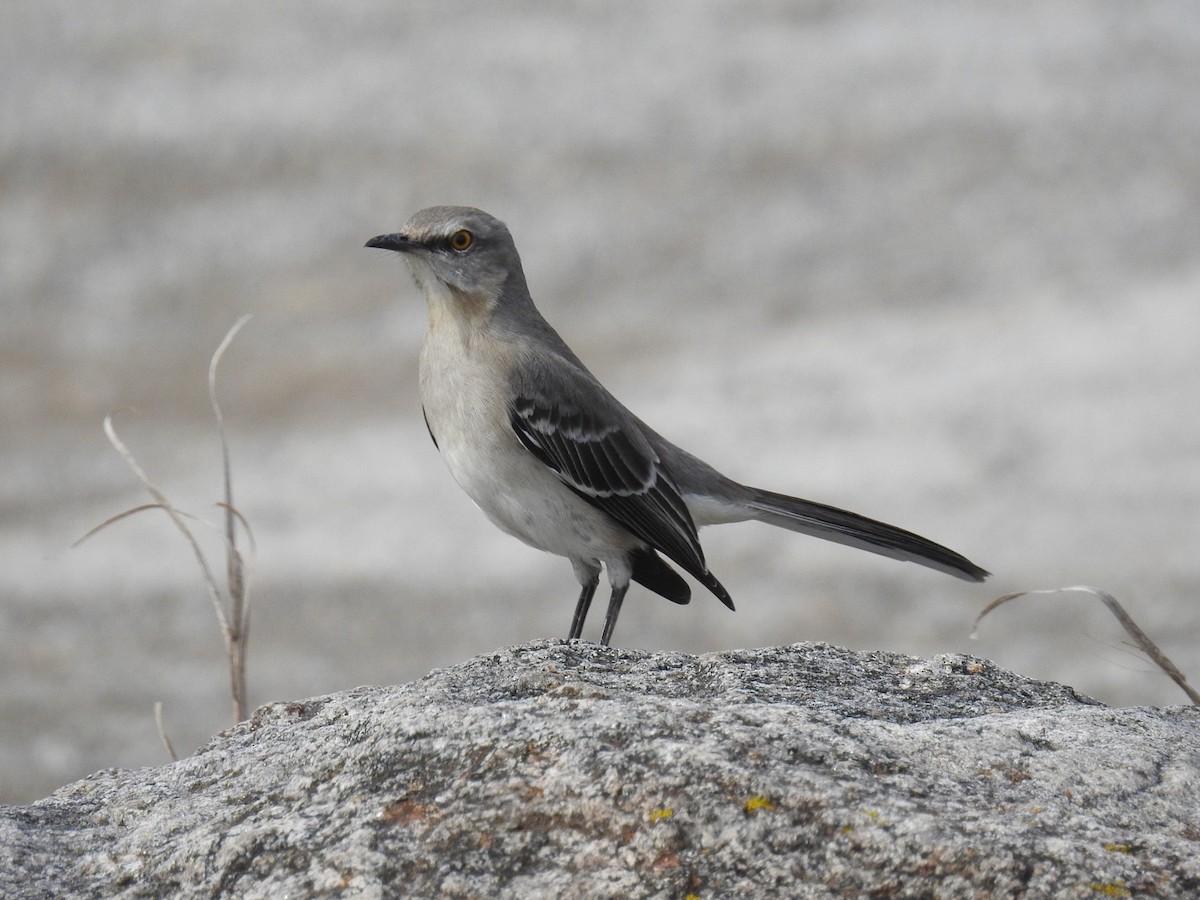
{"x": 552, "y": 458}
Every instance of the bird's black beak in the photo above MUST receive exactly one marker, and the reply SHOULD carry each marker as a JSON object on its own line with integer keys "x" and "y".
{"x": 398, "y": 242}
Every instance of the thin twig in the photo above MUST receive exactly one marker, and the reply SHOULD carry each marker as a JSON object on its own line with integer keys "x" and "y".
{"x": 1131, "y": 627}
{"x": 235, "y": 652}
{"x": 218, "y": 531}
{"x": 245, "y": 565}
{"x": 210, "y": 582}
{"x": 162, "y": 731}
{"x": 111, "y": 520}
{"x": 234, "y": 624}
{"x": 239, "y": 614}
{"x": 234, "y": 571}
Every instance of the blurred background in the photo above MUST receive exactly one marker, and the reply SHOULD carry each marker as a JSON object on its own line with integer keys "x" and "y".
{"x": 939, "y": 264}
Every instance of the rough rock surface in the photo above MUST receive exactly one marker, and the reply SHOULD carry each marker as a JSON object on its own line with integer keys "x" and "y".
{"x": 559, "y": 769}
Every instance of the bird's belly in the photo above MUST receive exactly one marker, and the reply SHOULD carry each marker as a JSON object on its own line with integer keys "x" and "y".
{"x": 525, "y": 499}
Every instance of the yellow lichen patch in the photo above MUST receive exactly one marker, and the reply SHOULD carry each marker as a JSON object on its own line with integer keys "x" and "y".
{"x": 757, "y": 802}
{"x": 660, "y": 814}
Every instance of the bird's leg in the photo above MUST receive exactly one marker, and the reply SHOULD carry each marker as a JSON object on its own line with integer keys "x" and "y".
{"x": 614, "y": 610}
{"x": 589, "y": 577}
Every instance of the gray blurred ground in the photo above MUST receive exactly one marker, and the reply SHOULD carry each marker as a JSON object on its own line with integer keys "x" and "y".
{"x": 936, "y": 263}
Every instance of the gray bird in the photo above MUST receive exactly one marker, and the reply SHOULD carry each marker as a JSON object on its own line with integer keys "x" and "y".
{"x": 552, "y": 458}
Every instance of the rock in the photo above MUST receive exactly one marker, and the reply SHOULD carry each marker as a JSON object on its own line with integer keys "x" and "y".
{"x": 555, "y": 769}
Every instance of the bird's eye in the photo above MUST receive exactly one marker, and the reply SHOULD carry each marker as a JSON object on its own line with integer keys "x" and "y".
{"x": 461, "y": 240}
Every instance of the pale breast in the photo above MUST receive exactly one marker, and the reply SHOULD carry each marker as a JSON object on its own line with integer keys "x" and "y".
{"x": 464, "y": 391}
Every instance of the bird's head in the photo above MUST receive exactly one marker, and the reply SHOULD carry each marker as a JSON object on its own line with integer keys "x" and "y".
{"x": 455, "y": 247}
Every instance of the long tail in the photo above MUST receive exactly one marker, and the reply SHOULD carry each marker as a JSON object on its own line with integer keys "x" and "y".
{"x": 833, "y": 524}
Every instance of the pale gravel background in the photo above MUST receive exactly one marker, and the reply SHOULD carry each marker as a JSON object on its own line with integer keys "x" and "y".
{"x": 937, "y": 263}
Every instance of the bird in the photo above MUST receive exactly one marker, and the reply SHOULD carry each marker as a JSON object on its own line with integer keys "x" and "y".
{"x": 552, "y": 458}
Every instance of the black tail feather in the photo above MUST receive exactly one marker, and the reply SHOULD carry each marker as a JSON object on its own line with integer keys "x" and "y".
{"x": 849, "y": 528}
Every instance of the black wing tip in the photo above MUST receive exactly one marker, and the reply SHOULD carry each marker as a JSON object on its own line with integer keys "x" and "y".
{"x": 709, "y": 581}
{"x": 651, "y": 571}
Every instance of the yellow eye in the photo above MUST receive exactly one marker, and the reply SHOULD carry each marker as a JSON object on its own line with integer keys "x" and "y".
{"x": 461, "y": 240}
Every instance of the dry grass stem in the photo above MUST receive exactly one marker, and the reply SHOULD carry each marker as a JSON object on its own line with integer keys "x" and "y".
{"x": 1139, "y": 637}
{"x": 162, "y": 731}
{"x": 238, "y": 633}
{"x": 234, "y": 621}
{"x": 210, "y": 581}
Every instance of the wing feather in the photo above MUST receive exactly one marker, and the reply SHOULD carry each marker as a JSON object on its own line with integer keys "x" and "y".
{"x": 600, "y": 453}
